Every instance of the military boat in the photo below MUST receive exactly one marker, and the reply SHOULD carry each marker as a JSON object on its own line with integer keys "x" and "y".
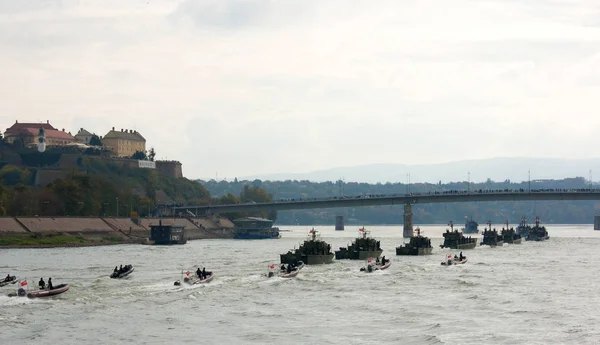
{"x": 491, "y": 237}
{"x": 456, "y": 240}
{"x": 537, "y": 232}
{"x": 6, "y": 281}
{"x": 510, "y": 235}
{"x": 313, "y": 251}
{"x": 471, "y": 227}
{"x": 523, "y": 228}
{"x": 418, "y": 245}
{"x": 362, "y": 247}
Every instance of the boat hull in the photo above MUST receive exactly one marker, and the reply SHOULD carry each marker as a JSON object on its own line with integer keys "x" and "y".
{"x": 415, "y": 251}
{"x": 289, "y": 275}
{"x": 317, "y": 259}
{"x": 122, "y": 275}
{"x": 47, "y": 293}
{"x": 454, "y": 262}
{"x": 360, "y": 255}
{"x": 195, "y": 280}
{"x": 469, "y": 245}
{"x": 4, "y": 283}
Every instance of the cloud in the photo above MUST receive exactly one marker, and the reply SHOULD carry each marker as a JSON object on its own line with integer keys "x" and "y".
{"x": 250, "y": 87}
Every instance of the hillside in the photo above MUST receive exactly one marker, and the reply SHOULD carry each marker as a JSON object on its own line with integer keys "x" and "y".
{"x": 96, "y": 187}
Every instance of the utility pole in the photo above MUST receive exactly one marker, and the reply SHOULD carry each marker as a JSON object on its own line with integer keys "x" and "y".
{"x": 591, "y": 183}
{"x": 529, "y": 177}
{"x": 468, "y": 182}
{"x": 117, "y": 206}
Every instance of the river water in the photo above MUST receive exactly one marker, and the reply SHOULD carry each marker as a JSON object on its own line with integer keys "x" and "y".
{"x": 533, "y": 293}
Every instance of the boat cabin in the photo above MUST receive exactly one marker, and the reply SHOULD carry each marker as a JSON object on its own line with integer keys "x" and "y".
{"x": 167, "y": 234}
{"x": 253, "y": 223}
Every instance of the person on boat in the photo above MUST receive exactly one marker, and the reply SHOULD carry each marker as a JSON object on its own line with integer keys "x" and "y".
{"x": 383, "y": 260}
{"x": 116, "y": 271}
{"x": 449, "y": 262}
{"x": 204, "y": 272}
{"x": 455, "y": 257}
{"x": 289, "y": 268}
{"x": 120, "y": 269}
{"x": 42, "y": 284}
{"x": 377, "y": 261}
{"x": 461, "y": 257}
{"x": 50, "y": 287}
{"x": 199, "y": 273}
{"x": 283, "y": 267}
{"x": 8, "y": 278}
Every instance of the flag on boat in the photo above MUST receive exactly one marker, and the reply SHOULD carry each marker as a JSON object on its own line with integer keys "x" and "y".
{"x": 272, "y": 266}
{"x": 449, "y": 256}
{"x": 362, "y": 229}
{"x": 24, "y": 282}
{"x": 187, "y": 273}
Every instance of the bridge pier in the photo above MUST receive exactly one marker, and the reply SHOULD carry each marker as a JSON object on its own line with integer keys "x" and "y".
{"x": 408, "y": 221}
{"x": 339, "y": 222}
{"x": 596, "y": 222}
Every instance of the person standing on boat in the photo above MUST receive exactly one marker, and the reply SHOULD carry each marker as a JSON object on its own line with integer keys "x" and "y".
{"x": 199, "y": 273}
{"x": 42, "y": 284}
{"x": 204, "y": 272}
{"x": 8, "y": 278}
{"x": 283, "y": 267}
{"x": 50, "y": 287}
{"x": 116, "y": 271}
{"x": 461, "y": 256}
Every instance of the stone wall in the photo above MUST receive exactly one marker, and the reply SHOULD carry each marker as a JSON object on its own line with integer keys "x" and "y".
{"x": 169, "y": 168}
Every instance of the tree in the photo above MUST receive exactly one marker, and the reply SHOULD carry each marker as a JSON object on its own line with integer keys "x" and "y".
{"x": 95, "y": 140}
{"x": 139, "y": 155}
{"x": 151, "y": 154}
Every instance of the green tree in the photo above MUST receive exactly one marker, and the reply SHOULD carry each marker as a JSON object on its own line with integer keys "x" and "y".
{"x": 151, "y": 154}
{"x": 95, "y": 141}
{"x": 139, "y": 155}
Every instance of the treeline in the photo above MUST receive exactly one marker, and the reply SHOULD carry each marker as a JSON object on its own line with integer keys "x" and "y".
{"x": 565, "y": 212}
{"x": 96, "y": 188}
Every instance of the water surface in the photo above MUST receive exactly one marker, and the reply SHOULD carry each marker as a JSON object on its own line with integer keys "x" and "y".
{"x": 534, "y": 293}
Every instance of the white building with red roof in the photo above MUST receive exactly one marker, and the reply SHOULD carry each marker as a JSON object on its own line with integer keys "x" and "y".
{"x": 28, "y": 133}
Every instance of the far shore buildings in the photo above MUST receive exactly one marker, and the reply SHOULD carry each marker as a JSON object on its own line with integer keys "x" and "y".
{"x": 28, "y": 133}
{"x": 125, "y": 142}
{"x": 84, "y": 136}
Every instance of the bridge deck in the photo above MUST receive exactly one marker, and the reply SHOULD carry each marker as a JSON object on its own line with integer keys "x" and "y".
{"x": 428, "y": 198}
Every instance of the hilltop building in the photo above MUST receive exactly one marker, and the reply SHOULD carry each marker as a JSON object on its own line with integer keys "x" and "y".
{"x": 83, "y": 136}
{"x": 124, "y": 143}
{"x": 27, "y": 133}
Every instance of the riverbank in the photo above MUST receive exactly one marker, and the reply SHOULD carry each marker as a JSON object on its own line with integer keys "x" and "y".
{"x": 37, "y": 240}
{"x": 52, "y": 232}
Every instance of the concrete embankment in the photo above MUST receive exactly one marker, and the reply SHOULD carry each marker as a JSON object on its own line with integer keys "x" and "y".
{"x": 80, "y": 231}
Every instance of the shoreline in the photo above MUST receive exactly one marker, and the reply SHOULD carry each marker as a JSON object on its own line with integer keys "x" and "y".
{"x": 67, "y": 245}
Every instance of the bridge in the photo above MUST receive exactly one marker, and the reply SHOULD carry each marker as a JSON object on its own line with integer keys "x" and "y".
{"x": 395, "y": 199}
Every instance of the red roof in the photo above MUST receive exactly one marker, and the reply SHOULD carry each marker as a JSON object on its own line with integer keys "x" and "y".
{"x": 18, "y": 126}
{"x": 50, "y": 133}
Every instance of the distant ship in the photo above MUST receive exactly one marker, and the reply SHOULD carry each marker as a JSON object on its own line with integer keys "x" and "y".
{"x": 456, "y": 240}
{"x": 313, "y": 251}
{"x": 510, "y": 235}
{"x": 254, "y": 228}
{"x": 167, "y": 234}
{"x": 491, "y": 237}
{"x": 418, "y": 245}
{"x": 362, "y": 248}
{"x": 537, "y": 232}
{"x": 471, "y": 227}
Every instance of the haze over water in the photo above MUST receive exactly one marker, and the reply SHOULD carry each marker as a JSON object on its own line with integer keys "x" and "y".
{"x": 533, "y": 293}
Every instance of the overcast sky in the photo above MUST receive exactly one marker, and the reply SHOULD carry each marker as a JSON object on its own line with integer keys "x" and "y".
{"x": 260, "y": 86}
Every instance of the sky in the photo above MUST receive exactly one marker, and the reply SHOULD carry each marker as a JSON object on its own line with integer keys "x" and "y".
{"x": 235, "y": 88}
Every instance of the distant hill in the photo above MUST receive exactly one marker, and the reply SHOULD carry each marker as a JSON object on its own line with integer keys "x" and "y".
{"x": 496, "y": 169}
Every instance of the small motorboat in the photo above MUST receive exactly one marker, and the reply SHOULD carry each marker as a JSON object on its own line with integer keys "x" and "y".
{"x": 300, "y": 265}
{"x": 56, "y": 290}
{"x": 454, "y": 262}
{"x": 193, "y": 280}
{"x": 291, "y": 274}
{"x": 117, "y": 275}
{"x": 5, "y": 282}
{"x": 383, "y": 267}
